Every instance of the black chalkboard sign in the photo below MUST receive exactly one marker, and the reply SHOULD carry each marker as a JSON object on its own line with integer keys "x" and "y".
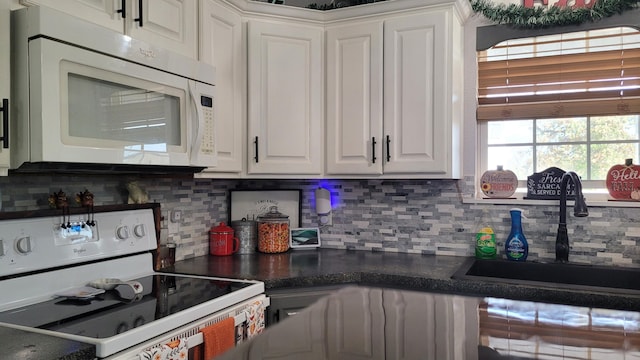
{"x": 545, "y": 185}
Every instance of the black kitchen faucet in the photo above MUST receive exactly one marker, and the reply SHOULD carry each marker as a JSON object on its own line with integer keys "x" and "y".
{"x": 579, "y": 210}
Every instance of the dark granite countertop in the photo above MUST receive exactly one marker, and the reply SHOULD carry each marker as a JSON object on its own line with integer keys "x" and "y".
{"x": 328, "y": 267}
{"x": 23, "y": 345}
{"x": 323, "y": 267}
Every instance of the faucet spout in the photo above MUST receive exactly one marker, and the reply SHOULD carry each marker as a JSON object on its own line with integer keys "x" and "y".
{"x": 579, "y": 210}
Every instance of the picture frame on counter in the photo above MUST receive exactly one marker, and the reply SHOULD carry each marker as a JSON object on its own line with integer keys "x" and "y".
{"x": 251, "y": 203}
{"x": 304, "y": 238}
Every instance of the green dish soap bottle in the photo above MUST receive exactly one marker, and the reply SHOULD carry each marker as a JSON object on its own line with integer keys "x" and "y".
{"x": 516, "y": 247}
{"x": 485, "y": 238}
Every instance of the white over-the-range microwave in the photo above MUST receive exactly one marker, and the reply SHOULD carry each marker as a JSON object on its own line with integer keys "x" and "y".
{"x": 86, "y": 98}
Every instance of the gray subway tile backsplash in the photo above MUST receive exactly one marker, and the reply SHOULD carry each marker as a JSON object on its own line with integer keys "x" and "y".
{"x": 414, "y": 216}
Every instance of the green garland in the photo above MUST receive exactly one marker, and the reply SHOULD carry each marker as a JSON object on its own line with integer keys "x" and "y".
{"x": 539, "y": 17}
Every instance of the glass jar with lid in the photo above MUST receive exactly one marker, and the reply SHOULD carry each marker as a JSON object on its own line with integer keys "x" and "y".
{"x": 273, "y": 231}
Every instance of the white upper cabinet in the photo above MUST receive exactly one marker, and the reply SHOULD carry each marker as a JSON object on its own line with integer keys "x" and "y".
{"x": 170, "y": 24}
{"x": 221, "y": 45}
{"x": 394, "y": 96}
{"x": 419, "y": 119}
{"x": 285, "y": 98}
{"x": 354, "y": 98}
{"x": 5, "y": 83}
{"x": 107, "y": 13}
{"x": 392, "y": 77}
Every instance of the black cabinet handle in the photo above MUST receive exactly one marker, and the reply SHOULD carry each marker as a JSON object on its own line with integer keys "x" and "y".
{"x": 373, "y": 150}
{"x": 123, "y": 9}
{"x": 388, "y": 149}
{"x": 5, "y": 123}
{"x": 139, "y": 18}
{"x": 256, "y": 142}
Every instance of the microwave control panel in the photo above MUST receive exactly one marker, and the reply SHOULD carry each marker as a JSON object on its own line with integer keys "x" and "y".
{"x": 208, "y": 138}
{"x": 203, "y": 151}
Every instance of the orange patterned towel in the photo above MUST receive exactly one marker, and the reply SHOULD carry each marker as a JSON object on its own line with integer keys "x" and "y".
{"x": 218, "y": 338}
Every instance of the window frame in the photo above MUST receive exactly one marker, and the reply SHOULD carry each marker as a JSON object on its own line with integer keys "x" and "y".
{"x": 596, "y": 193}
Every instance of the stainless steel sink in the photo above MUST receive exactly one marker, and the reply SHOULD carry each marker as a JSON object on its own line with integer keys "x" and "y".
{"x": 565, "y": 275}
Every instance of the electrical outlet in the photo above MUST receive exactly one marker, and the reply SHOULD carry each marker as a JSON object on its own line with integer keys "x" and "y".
{"x": 173, "y": 229}
{"x": 176, "y": 216}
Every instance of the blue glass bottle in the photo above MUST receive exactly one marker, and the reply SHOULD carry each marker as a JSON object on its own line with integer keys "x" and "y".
{"x": 516, "y": 247}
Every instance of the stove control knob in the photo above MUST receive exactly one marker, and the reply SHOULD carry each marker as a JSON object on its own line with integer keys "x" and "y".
{"x": 23, "y": 245}
{"x": 122, "y": 233}
{"x": 139, "y": 231}
{"x": 2, "y": 247}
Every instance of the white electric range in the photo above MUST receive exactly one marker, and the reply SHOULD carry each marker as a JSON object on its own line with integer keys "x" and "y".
{"x": 43, "y": 257}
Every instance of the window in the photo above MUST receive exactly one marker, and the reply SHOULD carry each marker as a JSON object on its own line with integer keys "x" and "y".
{"x": 568, "y": 100}
{"x": 587, "y": 145}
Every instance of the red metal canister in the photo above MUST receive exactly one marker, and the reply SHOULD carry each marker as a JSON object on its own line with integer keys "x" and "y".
{"x": 222, "y": 240}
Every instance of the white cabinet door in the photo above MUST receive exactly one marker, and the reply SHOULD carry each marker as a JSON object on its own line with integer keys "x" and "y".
{"x": 421, "y": 325}
{"x": 410, "y": 325}
{"x": 357, "y": 325}
{"x": 170, "y": 24}
{"x": 354, "y": 99}
{"x": 5, "y": 77}
{"x": 418, "y": 131}
{"x": 221, "y": 45}
{"x": 285, "y": 98}
{"x": 107, "y": 13}
{"x": 416, "y": 119}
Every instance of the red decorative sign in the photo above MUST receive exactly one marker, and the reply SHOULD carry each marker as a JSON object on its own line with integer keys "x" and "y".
{"x": 623, "y": 181}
